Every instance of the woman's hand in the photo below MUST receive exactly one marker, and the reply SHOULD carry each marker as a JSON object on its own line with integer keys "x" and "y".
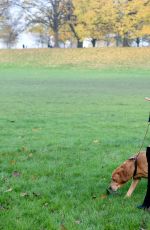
{"x": 147, "y": 98}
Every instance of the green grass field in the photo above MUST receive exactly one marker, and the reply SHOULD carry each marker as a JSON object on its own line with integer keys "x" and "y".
{"x": 63, "y": 130}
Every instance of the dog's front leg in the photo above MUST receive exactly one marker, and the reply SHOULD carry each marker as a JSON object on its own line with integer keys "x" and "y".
{"x": 132, "y": 187}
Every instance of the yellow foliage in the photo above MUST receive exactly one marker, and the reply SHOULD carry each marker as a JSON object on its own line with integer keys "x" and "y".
{"x": 37, "y": 29}
{"x": 131, "y": 17}
{"x": 97, "y": 18}
{"x": 65, "y": 33}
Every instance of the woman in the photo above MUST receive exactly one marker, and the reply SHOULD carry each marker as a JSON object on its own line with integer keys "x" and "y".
{"x": 146, "y": 202}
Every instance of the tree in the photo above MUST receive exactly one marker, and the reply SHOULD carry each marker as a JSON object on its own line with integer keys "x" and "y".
{"x": 9, "y": 35}
{"x": 95, "y": 19}
{"x": 124, "y": 19}
{"x": 51, "y": 14}
{"x": 9, "y": 29}
{"x": 144, "y": 19}
{"x": 4, "y": 4}
{"x": 71, "y": 22}
{"x": 132, "y": 17}
{"x": 42, "y": 35}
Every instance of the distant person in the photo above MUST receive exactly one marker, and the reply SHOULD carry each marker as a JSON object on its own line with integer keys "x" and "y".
{"x": 23, "y": 46}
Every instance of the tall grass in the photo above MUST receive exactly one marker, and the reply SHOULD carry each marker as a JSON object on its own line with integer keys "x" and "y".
{"x": 91, "y": 58}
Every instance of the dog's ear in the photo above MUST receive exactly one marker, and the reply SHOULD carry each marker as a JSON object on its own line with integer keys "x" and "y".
{"x": 124, "y": 173}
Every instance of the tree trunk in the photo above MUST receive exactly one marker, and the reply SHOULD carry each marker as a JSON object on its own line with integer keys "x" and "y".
{"x": 56, "y": 37}
{"x": 79, "y": 44}
{"x": 125, "y": 42}
{"x": 107, "y": 42}
{"x": 94, "y": 40}
{"x": 118, "y": 40}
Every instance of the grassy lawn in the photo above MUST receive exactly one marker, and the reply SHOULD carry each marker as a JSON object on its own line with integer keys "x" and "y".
{"x": 63, "y": 130}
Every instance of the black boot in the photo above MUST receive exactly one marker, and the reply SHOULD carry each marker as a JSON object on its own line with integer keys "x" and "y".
{"x": 146, "y": 203}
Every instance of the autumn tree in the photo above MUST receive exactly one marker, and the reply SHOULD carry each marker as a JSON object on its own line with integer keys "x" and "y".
{"x": 132, "y": 17}
{"x": 10, "y": 25}
{"x": 71, "y": 22}
{"x": 95, "y": 19}
{"x": 144, "y": 20}
{"x": 4, "y": 5}
{"x": 51, "y": 14}
{"x": 9, "y": 35}
{"x": 124, "y": 19}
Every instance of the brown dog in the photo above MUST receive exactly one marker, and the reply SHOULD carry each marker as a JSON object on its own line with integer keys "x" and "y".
{"x": 136, "y": 167}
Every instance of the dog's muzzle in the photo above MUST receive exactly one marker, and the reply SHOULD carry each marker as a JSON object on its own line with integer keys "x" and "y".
{"x": 110, "y": 191}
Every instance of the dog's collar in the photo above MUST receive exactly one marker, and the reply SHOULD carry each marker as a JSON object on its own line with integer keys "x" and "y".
{"x": 135, "y": 166}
